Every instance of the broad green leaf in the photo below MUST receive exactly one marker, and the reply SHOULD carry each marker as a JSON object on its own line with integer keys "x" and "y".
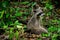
{"x": 16, "y": 22}
{"x": 18, "y": 14}
{"x": 51, "y": 7}
{"x": 52, "y": 29}
{"x": 19, "y": 26}
{"x": 5, "y": 26}
{"x": 47, "y": 5}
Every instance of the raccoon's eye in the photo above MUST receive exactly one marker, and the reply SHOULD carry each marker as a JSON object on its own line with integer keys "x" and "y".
{"x": 34, "y": 11}
{"x": 40, "y": 14}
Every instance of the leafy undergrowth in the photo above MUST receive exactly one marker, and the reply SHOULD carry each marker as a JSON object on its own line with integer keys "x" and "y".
{"x": 15, "y": 15}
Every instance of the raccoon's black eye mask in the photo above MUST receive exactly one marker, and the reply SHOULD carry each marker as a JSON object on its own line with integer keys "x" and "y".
{"x": 40, "y": 14}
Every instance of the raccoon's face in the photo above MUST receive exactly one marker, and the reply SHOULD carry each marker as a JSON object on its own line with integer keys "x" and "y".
{"x": 38, "y": 11}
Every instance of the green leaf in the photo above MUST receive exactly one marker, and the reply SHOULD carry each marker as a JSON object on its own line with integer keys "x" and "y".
{"x": 1, "y": 14}
{"x": 51, "y": 7}
{"x": 58, "y": 30}
{"x": 5, "y": 26}
{"x": 33, "y": 4}
{"x": 24, "y": 18}
{"x": 16, "y": 22}
{"x": 52, "y": 29}
{"x": 29, "y": 4}
{"x": 10, "y": 36}
{"x": 2, "y": 24}
{"x": 25, "y": 27}
{"x": 54, "y": 21}
{"x": 19, "y": 26}
{"x": 11, "y": 33}
{"x": 49, "y": 13}
{"x": 46, "y": 35}
{"x": 16, "y": 35}
{"x": 18, "y": 14}
{"x": 47, "y": 5}
{"x": 4, "y": 4}
{"x": 26, "y": 2}
{"x": 26, "y": 13}
{"x": 11, "y": 30}
{"x": 7, "y": 15}
{"x": 54, "y": 36}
